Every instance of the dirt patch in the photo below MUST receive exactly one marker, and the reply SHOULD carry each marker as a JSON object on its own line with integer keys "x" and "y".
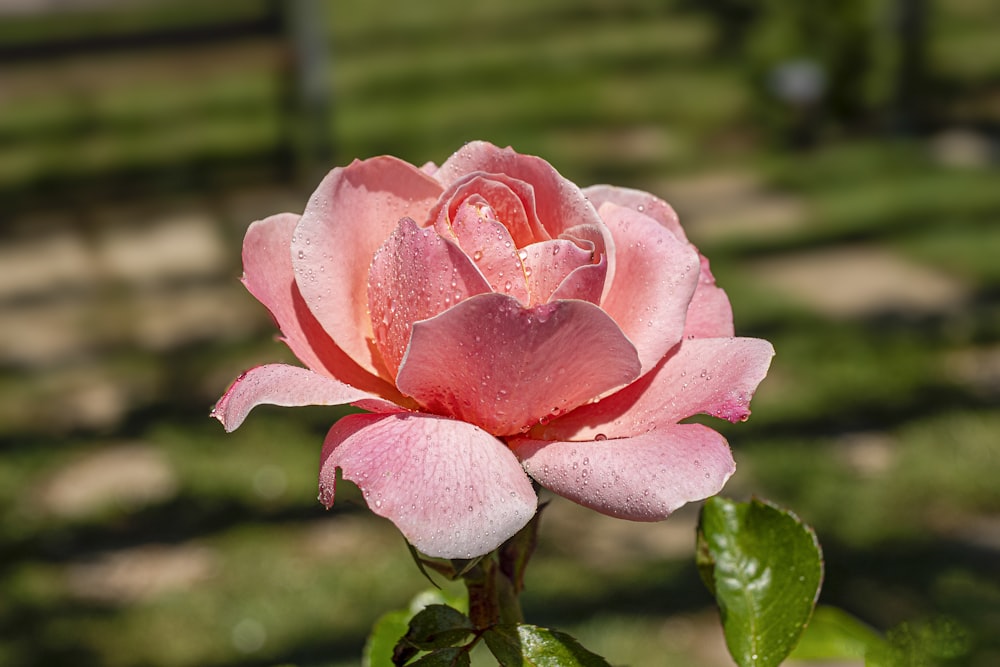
{"x": 169, "y": 249}
{"x": 860, "y": 280}
{"x": 142, "y": 573}
{"x": 121, "y": 477}
{"x": 976, "y": 368}
{"x": 732, "y": 206}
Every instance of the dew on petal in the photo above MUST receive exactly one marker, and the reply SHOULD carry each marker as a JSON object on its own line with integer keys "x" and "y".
{"x": 600, "y": 437}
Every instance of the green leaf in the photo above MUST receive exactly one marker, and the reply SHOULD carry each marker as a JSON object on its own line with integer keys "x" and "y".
{"x": 926, "y": 644}
{"x": 834, "y": 634}
{"x": 436, "y": 626}
{"x": 765, "y": 569}
{"x": 393, "y": 625}
{"x": 533, "y": 646}
{"x": 445, "y": 657}
{"x": 383, "y": 638}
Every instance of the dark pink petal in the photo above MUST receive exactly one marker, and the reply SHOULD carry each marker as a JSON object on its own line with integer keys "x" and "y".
{"x": 640, "y": 201}
{"x": 559, "y": 203}
{"x": 280, "y": 384}
{"x": 415, "y": 275}
{"x": 490, "y": 362}
{"x": 485, "y": 239}
{"x": 655, "y": 275}
{"x": 642, "y": 478}
{"x": 713, "y": 376}
{"x": 709, "y": 314}
{"x": 268, "y": 275}
{"x": 453, "y": 490}
{"x": 346, "y": 220}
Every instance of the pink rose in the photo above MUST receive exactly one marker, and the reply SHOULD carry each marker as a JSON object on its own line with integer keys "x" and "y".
{"x": 500, "y": 325}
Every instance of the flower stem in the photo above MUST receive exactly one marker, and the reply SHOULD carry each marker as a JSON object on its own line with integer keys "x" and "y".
{"x": 495, "y": 583}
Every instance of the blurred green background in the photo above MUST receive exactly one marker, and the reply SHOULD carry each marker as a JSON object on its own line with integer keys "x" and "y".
{"x": 836, "y": 160}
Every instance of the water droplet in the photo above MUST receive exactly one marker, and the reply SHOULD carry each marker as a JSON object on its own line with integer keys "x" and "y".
{"x": 555, "y": 250}
{"x": 600, "y": 437}
{"x": 640, "y": 208}
{"x": 522, "y": 254}
{"x": 301, "y": 255}
{"x": 507, "y": 285}
{"x": 478, "y": 255}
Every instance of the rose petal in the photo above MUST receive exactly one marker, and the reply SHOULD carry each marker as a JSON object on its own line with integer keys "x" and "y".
{"x": 548, "y": 266}
{"x": 490, "y": 362}
{"x": 512, "y": 201}
{"x": 654, "y": 280}
{"x": 280, "y": 384}
{"x": 559, "y": 203}
{"x": 268, "y": 275}
{"x": 451, "y": 489}
{"x": 640, "y": 201}
{"x": 486, "y": 240}
{"x": 714, "y": 376}
{"x": 642, "y": 478}
{"x": 415, "y": 275}
{"x": 346, "y": 220}
{"x": 709, "y": 315}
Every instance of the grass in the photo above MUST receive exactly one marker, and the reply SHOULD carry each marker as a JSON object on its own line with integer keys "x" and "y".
{"x": 863, "y": 427}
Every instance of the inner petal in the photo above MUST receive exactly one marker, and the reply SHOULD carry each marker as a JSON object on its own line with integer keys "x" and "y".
{"x": 548, "y": 263}
{"x": 415, "y": 275}
{"x": 488, "y": 242}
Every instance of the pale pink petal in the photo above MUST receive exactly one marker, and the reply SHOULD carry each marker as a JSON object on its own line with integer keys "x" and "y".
{"x": 485, "y": 239}
{"x": 642, "y": 478}
{"x": 640, "y": 201}
{"x": 268, "y": 275}
{"x": 346, "y": 220}
{"x": 280, "y": 384}
{"x": 655, "y": 277}
{"x": 548, "y": 266}
{"x": 713, "y": 376}
{"x": 415, "y": 275}
{"x": 559, "y": 203}
{"x": 490, "y": 362}
{"x": 709, "y": 314}
{"x": 453, "y": 490}
{"x": 511, "y": 200}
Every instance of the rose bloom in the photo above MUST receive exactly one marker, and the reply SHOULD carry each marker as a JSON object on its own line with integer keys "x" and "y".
{"x": 500, "y": 325}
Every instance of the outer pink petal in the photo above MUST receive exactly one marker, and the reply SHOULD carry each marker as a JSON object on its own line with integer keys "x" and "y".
{"x": 268, "y": 275}
{"x": 490, "y": 362}
{"x": 453, "y": 490}
{"x": 415, "y": 275}
{"x": 715, "y": 376}
{"x": 346, "y": 220}
{"x": 643, "y": 202}
{"x": 709, "y": 314}
{"x": 280, "y": 384}
{"x": 559, "y": 203}
{"x": 654, "y": 280}
{"x": 642, "y": 478}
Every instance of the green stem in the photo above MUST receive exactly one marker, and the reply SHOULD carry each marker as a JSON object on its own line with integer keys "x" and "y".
{"x": 495, "y": 583}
